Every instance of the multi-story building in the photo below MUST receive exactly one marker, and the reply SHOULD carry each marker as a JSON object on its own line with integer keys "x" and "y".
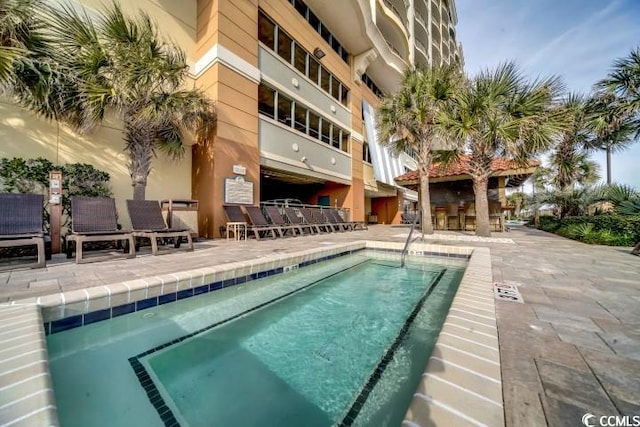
{"x": 296, "y": 84}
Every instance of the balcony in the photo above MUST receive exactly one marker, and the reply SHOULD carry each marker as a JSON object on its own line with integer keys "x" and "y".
{"x": 421, "y": 19}
{"x": 436, "y": 38}
{"x": 400, "y": 13}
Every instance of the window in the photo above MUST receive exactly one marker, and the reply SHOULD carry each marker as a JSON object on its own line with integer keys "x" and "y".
{"x": 266, "y": 31}
{"x": 301, "y": 8}
{"x": 336, "y": 137}
{"x": 366, "y": 154}
{"x": 325, "y": 135}
{"x": 335, "y": 88}
{"x": 300, "y": 59}
{"x": 314, "y": 70}
{"x": 284, "y": 109}
{"x": 313, "y": 20}
{"x": 300, "y": 118}
{"x": 314, "y": 125}
{"x": 345, "y": 141}
{"x": 344, "y": 96}
{"x": 325, "y": 80}
{"x": 266, "y": 101}
{"x": 284, "y": 45}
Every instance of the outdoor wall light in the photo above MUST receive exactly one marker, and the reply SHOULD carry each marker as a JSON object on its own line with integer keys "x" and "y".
{"x": 318, "y": 53}
{"x": 303, "y": 159}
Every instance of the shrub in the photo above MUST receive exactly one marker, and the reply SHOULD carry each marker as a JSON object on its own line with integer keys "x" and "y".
{"x": 605, "y": 229}
{"x": 32, "y": 176}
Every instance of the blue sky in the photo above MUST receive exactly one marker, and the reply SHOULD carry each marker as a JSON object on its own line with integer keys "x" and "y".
{"x": 577, "y": 39}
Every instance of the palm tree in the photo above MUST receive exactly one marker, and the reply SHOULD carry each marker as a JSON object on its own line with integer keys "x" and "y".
{"x": 121, "y": 64}
{"x": 407, "y": 121}
{"x": 568, "y": 151}
{"x": 500, "y": 114}
{"x": 26, "y": 70}
{"x": 612, "y": 125}
{"x": 624, "y": 82}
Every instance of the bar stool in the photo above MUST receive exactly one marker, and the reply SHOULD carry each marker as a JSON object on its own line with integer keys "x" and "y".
{"x": 452, "y": 213}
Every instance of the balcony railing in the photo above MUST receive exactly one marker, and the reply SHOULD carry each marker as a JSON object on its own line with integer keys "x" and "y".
{"x": 402, "y": 16}
{"x": 393, "y": 48}
{"x": 421, "y": 47}
{"x": 421, "y": 19}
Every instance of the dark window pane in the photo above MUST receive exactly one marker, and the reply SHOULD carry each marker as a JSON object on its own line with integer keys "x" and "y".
{"x": 313, "y": 20}
{"x": 300, "y": 60}
{"x": 284, "y": 110}
{"x": 266, "y": 31}
{"x": 345, "y": 141}
{"x": 335, "y": 88}
{"x": 325, "y": 135}
{"x": 344, "y": 55}
{"x": 266, "y": 101}
{"x": 301, "y": 8}
{"x": 335, "y": 44}
{"x": 301, "y": 118}
{"x": 284, "y": 45}
{"x": 326, "y": 35}
{"x": 344, "y": 98}
{"x": 314, "y": 70}
{"x": 335, "y": 137}
{"x": 314, "y": 125}
{"x": 325, "y": 80}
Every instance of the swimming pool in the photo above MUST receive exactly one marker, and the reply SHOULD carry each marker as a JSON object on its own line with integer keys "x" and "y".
{"x": 339, "y": 342}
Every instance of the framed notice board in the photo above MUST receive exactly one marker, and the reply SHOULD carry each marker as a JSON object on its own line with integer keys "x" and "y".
{"x": 238, "y": 191}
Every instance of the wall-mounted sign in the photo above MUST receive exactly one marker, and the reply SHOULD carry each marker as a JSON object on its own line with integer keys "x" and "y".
{"x": 238, "y": 191}
{"x": 239, "y": 170}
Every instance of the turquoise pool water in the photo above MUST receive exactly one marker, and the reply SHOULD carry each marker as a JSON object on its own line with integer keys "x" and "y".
{"x": 345, "y": 343}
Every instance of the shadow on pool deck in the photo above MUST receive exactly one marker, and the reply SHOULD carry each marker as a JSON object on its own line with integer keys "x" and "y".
{"x": 573, "y": 347}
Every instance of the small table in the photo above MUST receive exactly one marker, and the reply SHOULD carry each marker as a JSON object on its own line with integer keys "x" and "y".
{"x": 239, "y": 230}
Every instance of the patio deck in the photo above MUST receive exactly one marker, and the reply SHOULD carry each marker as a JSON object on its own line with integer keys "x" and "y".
{"x": 573, "y": 347}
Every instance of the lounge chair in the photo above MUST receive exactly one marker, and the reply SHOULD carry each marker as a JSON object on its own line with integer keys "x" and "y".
{"x": 235, "y": 214}
{"x": 335, "y": 220}
{"x": 311, "y": 218}
{"x": 260, "y": 224}
{"x": 21, "y": 225}
{"x": 298, "y": 220}
{"x": 352, "y": 225}
{"x": 94, "y": 219}
{"x": 273, "y": 212}
{"x": 147, "y": 222}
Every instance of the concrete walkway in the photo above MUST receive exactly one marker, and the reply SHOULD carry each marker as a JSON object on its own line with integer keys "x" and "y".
{"x": 573, "y": 347}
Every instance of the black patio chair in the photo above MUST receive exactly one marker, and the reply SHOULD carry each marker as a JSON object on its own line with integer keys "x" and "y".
{"x": 147, "y": 223}
{"x": 273, "y": 212}
{"x": 94, "y": 219}
{"x": 298, "y": 220}
{"x": 259, "y": 224}
{"x": 21, "y": 225}
{"x": 310, "y": 218}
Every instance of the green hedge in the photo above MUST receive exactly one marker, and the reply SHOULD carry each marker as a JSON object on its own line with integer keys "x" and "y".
{"x": 605, "y": 229}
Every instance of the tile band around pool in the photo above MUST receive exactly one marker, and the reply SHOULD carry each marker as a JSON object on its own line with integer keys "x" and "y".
{"x": 465, "y": 326}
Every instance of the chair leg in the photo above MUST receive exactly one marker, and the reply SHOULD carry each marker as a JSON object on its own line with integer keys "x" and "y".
{"x": 79, "y": 250}
{"x": 154, "y": 243}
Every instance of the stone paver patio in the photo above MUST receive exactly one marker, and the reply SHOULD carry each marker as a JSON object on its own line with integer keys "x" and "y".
{"x": 573, "y": 347}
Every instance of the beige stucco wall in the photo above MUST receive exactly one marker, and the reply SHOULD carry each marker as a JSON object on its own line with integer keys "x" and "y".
{"x": 176, "y": 19}
{"x": 24, "y": 135}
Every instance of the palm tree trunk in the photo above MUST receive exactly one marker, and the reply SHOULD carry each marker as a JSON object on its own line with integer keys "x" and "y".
{"x": 139, "y": 146}
{"x": 425, "y": 201}
{"x": 608, "y": 150}
{"x": 483, "y": 228}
